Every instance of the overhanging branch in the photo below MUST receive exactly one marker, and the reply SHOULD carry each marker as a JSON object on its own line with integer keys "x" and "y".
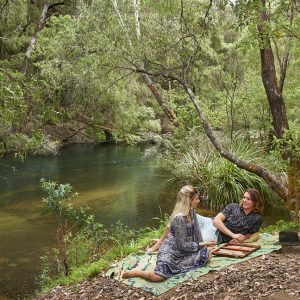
{"x": 275, "y": 184}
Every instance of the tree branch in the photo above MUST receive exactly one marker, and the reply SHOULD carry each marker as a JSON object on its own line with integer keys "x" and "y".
{"x": 33, "y": 39}
{"x": 270, "y": 179}
{"x": 3, "y": 6}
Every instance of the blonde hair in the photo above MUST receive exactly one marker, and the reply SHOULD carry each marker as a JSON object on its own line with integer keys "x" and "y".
{"x": 183, "y": 203}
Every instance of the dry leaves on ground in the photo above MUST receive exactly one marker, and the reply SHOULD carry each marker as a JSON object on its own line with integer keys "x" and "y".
{"x": 275, "y": 276}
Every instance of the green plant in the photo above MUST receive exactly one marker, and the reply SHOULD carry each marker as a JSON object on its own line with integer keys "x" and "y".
{"x": 79, "y": 235}
{"x": 281, "y": 225}
{"x": 122, "y": 238}
{"x": 130, "y": 243}
{"x": 222, "y": 181}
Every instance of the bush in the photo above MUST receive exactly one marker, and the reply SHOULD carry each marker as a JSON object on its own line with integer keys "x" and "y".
{"x": 220, "y": 180}
{"x": 281, "y": 225}
{"x": 84, "y": 246}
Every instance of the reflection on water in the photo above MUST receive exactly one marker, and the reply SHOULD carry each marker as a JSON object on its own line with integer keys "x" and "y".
{"x": 116, "y": 182}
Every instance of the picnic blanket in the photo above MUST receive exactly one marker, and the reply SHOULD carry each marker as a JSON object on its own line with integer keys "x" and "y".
{"x": 147, "y": 261}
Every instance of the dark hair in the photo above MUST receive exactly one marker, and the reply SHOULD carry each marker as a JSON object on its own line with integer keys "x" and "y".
{"x": 256, "y": 198}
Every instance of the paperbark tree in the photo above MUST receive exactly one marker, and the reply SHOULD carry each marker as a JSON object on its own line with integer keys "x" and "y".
{"x": 169, "y": 113}
{"x": 34, "y": 37}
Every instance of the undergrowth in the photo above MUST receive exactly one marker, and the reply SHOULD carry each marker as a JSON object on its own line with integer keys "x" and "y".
{"x": 281, "y": 225}
{"x": 120, "y": 247}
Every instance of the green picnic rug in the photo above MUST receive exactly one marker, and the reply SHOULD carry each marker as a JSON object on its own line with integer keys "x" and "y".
{"x": 147, "y": 261}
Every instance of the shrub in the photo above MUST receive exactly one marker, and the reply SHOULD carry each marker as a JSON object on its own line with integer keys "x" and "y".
{"x": 221, "y": 181}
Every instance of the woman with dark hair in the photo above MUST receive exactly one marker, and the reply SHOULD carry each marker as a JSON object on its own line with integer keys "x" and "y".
{"x": 240, "y": 222}
{"x": 183, "y": 248}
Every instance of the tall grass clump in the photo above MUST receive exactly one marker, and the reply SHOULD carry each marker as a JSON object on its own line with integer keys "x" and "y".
{"x": 220, "y": 180}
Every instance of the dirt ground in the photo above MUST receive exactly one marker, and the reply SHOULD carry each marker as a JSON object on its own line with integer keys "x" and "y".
{"x": 275, "y": 276}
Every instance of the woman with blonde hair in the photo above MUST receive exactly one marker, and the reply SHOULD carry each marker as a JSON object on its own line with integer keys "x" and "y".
{"x": 183, "y": 249}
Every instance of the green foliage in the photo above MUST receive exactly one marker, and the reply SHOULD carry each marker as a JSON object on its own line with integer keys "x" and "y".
{"x": 59, "y": 199}
{"x": 281, "y": 225}
{"x": 222, "y": 181}
{"x": 289, "y": 145}
{"x": 79, "y": 235}
{"x": 89, "y": 73}
{"x": 12, "y": 104}
{"x": 124, "y": 241}
{"x": 38, "y": 144}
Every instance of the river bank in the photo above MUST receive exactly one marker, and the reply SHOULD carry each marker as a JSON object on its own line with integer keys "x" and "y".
{"x": 274, "y": 276}
{"x": 115, "y": 181}
{"x": 53, "y": 137}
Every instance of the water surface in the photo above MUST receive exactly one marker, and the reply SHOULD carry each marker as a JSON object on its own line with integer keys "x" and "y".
{"x": 118, "y": 183}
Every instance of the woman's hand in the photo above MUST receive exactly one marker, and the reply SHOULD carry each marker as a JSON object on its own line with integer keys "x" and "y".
{"x": 209, "y": 243}
{"x": 238, "y": 237}
{"x": 155, "y": 247}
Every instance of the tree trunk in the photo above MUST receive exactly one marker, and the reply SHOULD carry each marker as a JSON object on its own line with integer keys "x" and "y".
{"x": 277, "y": 106}
{"x": 155, "y": 92}
{"x": 269, "y": 79}
{"x": 33, "y": 39}
{"x": 146, "y": 78}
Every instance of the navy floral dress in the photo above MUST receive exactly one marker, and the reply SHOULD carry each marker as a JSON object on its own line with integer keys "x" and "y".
{"x": 180, "y": 252}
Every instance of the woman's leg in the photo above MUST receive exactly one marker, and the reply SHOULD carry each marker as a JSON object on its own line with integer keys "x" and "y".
{"x": 149, "y": 275}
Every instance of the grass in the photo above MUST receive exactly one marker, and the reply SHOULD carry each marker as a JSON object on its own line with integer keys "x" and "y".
{"x": 116, "y": 252}
{"x": 222, "y": 181}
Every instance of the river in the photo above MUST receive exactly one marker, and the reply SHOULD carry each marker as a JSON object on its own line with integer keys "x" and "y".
{"x": 116, "y": 182}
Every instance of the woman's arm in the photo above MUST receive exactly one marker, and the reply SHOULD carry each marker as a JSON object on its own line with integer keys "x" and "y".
{"x": 219, "y": 223}
{"x": 180, "y": 234}
{"x": 251, "y": 237}
{"x": 156, "y": 246}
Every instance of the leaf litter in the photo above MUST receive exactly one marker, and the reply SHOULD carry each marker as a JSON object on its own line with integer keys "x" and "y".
{"x": 275, "y": 276}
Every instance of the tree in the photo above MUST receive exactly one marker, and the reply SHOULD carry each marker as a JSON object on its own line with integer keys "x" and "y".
{"x": 34, "y": 37}
{"x": 189, "y": 53}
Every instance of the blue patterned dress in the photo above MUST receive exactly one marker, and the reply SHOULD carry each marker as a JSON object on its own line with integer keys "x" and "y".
{"x": 180, "y": 252}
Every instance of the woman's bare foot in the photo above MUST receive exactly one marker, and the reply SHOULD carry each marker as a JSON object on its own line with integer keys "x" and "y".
{"x": 129, "y": 274}
{"x": 154, "y": 241}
